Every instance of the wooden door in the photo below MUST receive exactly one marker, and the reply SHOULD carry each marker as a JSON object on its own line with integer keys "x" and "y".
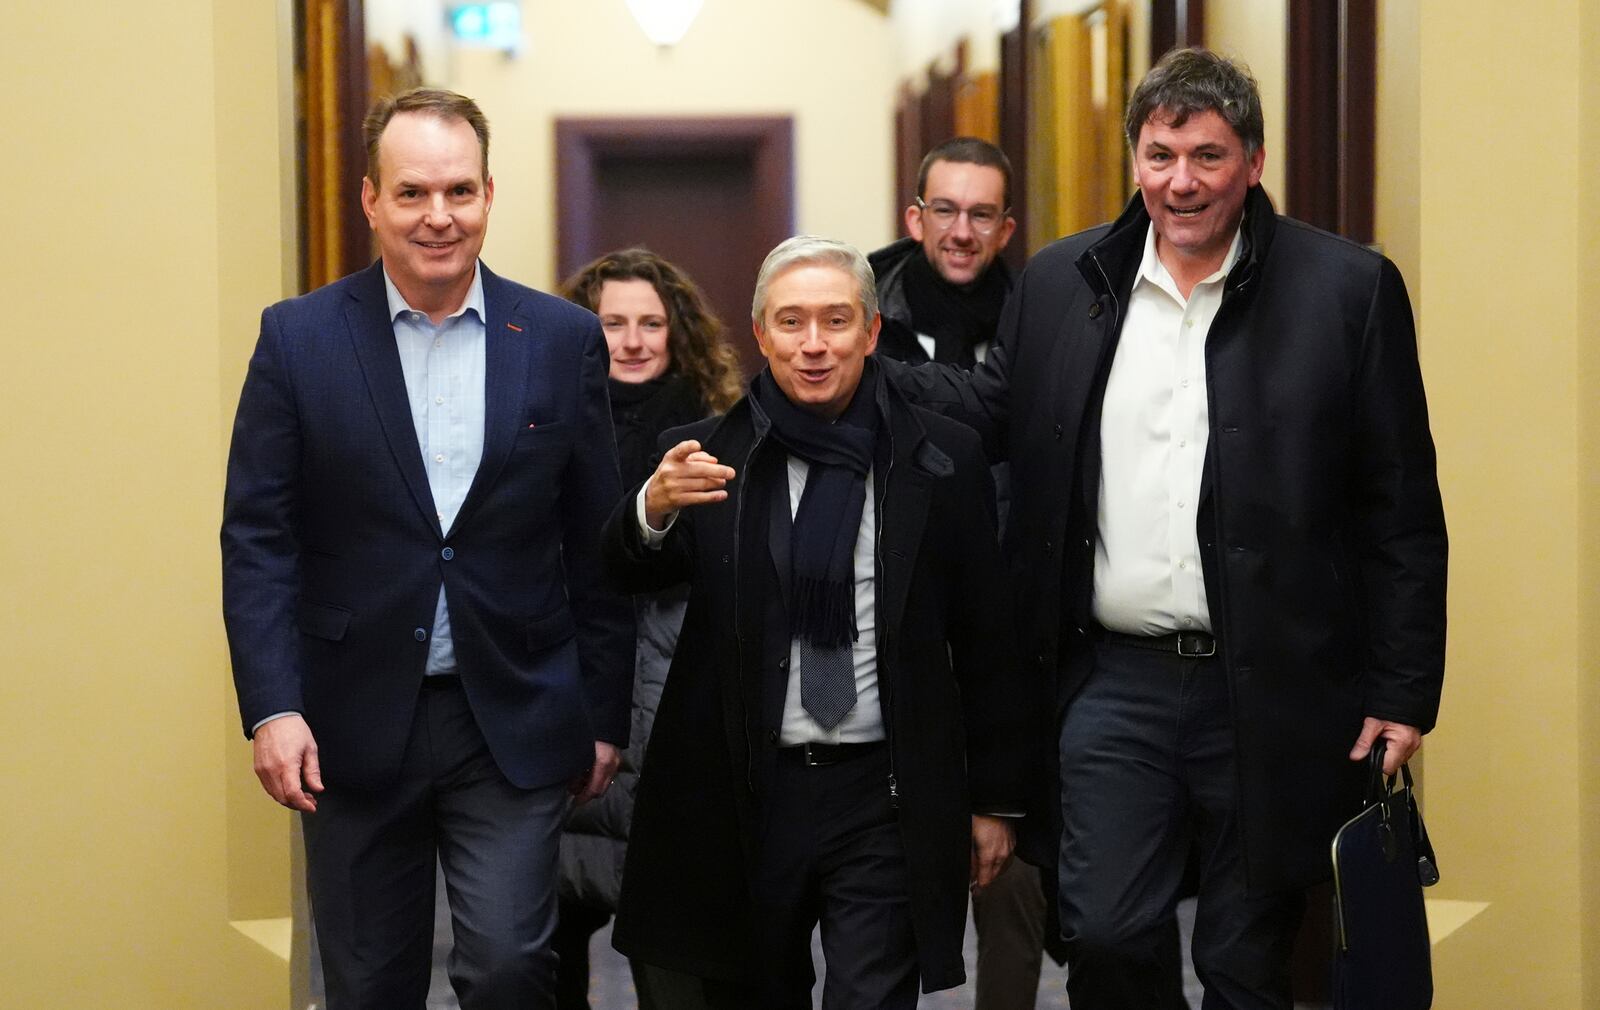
{"x": 711, "y": 195}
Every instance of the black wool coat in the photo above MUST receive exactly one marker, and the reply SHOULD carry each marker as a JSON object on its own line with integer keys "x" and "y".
{"x": 1321, "y": 530}
{"x": 955, "y": 709}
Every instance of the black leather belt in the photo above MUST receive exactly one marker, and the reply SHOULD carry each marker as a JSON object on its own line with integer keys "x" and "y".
{"x": 1189, "y": 644}
{"x": 442, "y": 681}
{"x": 816, "y": 755}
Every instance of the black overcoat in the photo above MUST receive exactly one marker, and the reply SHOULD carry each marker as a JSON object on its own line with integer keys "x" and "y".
{"x": 1321, "y": 530}
{"x": 956, "y": 711}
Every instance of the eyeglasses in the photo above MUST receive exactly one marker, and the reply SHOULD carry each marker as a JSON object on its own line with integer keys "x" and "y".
{"x": 983, "y": 218}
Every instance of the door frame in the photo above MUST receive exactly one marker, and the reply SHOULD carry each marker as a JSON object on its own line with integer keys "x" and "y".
{"x": 581, "y": 143}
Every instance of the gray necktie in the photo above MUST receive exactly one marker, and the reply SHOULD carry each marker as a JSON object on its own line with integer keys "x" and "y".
{"x": 827, "y": 682}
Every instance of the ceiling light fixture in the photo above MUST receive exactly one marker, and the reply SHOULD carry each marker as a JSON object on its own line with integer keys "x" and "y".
{"x": 664, "y": 21}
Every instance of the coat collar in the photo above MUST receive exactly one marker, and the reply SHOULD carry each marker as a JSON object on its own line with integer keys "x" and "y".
{"x": 1109, "y": 264}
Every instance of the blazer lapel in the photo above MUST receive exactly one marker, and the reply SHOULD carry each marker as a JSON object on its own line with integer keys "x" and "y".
{"x": 508, "y": 345}
{"x": 372, "y": 331}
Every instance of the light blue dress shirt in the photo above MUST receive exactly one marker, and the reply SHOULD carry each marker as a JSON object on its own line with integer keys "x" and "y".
{"x": 444, "y": 370}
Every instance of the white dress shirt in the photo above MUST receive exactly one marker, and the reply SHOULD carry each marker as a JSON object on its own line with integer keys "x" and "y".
{"x": 864, "y": 723}
{"x": 1153, "y": 432}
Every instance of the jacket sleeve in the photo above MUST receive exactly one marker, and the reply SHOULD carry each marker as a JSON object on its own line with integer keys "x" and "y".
{"x": 260, "y": 549}
{"x": 590, "y": 484}
{"x": 981, "y": 398}
{"x": 631, "y": 566}
{"x": 1402, "y": 547}
{"x": 998, "y": 702}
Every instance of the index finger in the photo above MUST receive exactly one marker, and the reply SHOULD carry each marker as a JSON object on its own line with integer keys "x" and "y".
{"x": 681, "y": 451}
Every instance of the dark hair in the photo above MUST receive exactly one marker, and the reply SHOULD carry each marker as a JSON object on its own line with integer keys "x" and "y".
{"x": 694, "y": 333}
{"x": 1189, "y": 81}
{"x": 966, "y": 151}
{"x": 442, "y": 104}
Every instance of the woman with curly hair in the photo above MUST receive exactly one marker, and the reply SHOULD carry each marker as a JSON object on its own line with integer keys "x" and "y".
{"x": 670, "y": 363}
{"x": 669, "y": 366}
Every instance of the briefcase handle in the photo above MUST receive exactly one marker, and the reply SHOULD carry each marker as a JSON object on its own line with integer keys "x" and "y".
{"x": 1379, "y": 790}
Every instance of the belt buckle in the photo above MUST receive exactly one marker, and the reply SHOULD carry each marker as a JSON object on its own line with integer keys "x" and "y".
{"x": 1195, "y": 645}
{"x": 810, "y": 760}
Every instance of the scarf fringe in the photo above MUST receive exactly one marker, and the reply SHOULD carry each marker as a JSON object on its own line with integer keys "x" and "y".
{"x": 824, "y": 612}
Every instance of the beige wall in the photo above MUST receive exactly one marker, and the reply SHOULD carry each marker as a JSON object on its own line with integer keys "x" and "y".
{"x": 926, "y": 31}
{"x": 145, "y": 232}
{"x": 1508, "y": 206}
{"x": 1397, "y": 224}
{"x": 827, "y": 63}
{"x": 1587, "y": 224}
{"x": 1256, "y": 31}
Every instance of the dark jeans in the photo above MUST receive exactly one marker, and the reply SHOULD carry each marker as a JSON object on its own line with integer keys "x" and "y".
{"x": 370, "y": 859}
{"x": 1147, "y": 766}
{"x": 831, "y": 852}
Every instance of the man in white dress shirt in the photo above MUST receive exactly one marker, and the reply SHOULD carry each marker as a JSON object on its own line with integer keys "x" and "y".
{"x": 1226, "y": 530}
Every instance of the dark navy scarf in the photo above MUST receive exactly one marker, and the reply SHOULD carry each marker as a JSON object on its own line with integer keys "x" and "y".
{"x": 823, "y": 535}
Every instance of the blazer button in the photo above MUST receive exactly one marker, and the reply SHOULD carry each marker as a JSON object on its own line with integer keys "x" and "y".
{"x": 772, "y": 736}
{"x": 448, "y": 553}
{"x": 1094, "y": 311}
{"x": 1056, "y": 431}
{"x": 421, "y": 634}
{"x": 783, "y": 664}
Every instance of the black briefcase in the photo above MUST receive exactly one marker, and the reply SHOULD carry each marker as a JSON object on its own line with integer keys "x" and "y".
{"x": 1381, "y": 862}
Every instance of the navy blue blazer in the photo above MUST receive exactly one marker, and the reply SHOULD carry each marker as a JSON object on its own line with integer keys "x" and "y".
{"x": 332, "y": 555}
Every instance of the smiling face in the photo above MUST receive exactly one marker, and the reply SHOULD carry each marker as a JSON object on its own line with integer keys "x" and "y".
{"x": 1193, "y": 179}
{"x": 815, "y": 337}
{"x": 430, "y": 208}
{"x": 636, "y": 328}
{"x": 957, "y": 250}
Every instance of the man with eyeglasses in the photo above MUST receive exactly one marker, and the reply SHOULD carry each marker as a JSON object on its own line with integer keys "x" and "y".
{"x": 940, "y": 291}
{"x": 941, "y": 288}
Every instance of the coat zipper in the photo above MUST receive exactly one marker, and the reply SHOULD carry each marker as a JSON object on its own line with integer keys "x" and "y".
{"x": 877, "y": 571}
{"x": 738, "y": 623}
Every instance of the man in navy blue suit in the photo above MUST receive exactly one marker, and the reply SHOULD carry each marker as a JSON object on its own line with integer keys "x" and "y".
{"x": 424, "y": 657}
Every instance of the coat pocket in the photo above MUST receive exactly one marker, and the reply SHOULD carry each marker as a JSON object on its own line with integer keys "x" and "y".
{"x": 551, "y": 629}
{"x": 323, "y": 620}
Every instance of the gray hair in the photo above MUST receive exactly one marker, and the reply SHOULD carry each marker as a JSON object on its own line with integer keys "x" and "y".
{"x": 813, "y": 250}
{"x": 1190, "y": 81}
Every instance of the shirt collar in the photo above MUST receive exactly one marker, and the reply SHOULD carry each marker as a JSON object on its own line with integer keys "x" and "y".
{"x": 473, "y": 301}
{"x": 1153, "y": 271}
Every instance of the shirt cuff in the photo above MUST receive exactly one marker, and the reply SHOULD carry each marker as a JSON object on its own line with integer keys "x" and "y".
{"x": 275, "y": 715}
{"x": 651, "y": 536}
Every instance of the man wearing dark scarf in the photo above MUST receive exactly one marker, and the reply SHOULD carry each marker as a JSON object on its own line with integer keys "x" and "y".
{"x": 941, "y": 290}
{"x": 942, "y": 287}
{"x": 845, "y": 724}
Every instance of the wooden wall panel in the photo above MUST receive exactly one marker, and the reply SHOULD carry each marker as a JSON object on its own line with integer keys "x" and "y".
{"x": 977, "y": 106}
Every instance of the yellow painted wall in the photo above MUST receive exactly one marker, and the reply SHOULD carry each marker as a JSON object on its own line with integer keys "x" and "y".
{"x": 145, "y": 231}
{"x": 1255, "y": 31}
{"x": 827, "y": 63}
{"x": 1507, "y": 219}
{"x": 1588, "y": 540}
{"x": 1397, "y": 222}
